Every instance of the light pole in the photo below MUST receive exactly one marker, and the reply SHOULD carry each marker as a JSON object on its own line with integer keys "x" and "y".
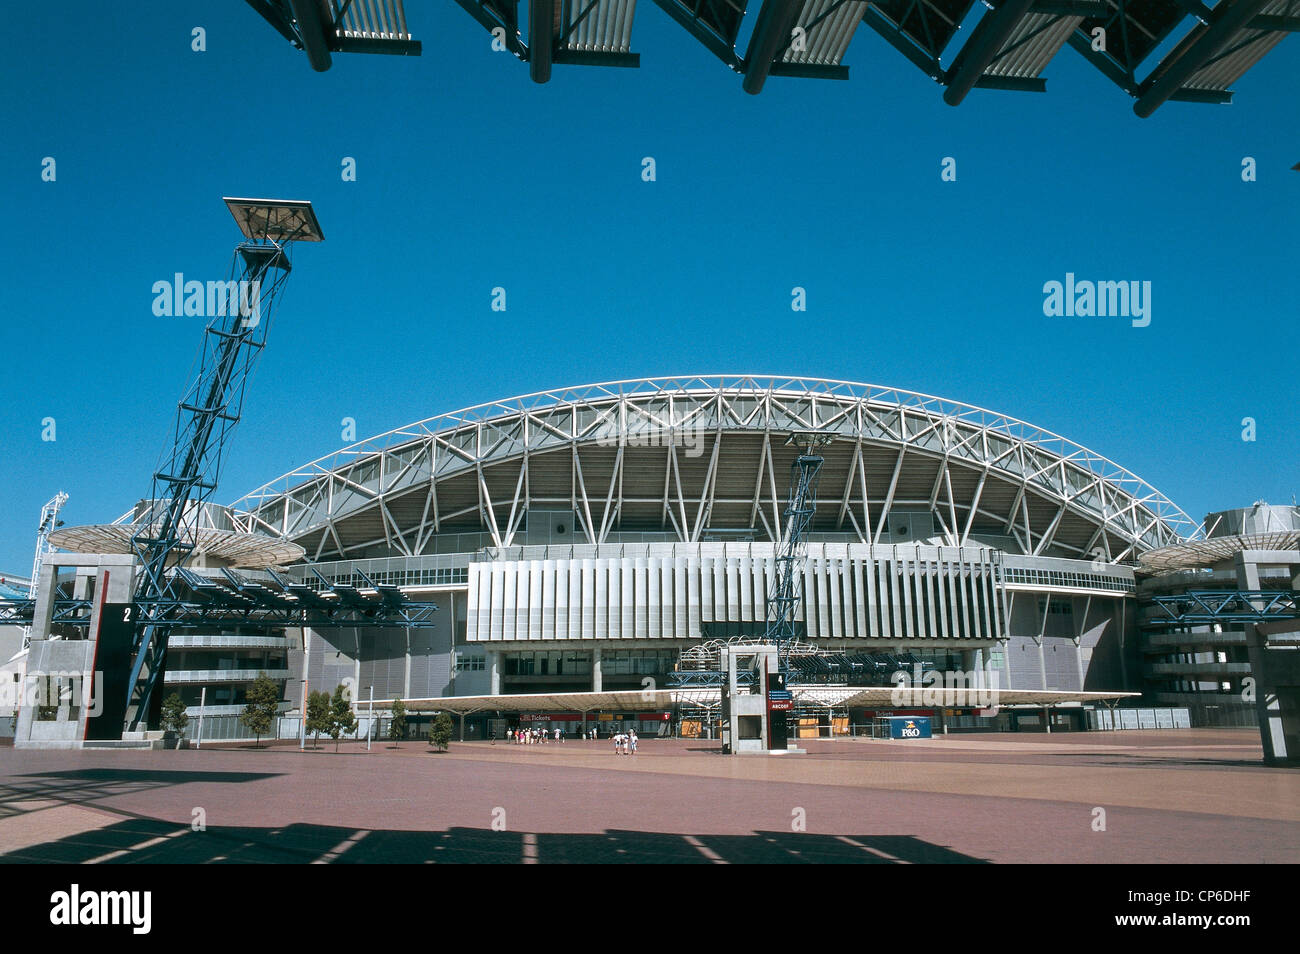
{"x": 370, "y": 726}
{"x": 203, "y": 704}
{"x": 302, "y": 722}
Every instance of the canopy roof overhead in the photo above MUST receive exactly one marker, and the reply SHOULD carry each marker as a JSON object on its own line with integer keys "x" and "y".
{"x": 636, "y": 700}
{"x": 959, "y": 44}
{"x": 689, "y": 458}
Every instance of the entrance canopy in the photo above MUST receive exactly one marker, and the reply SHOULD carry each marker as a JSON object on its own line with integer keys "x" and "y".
{"x": 636, "y": 700}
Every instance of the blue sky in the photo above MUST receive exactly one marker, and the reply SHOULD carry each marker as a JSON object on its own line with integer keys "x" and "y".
{"x": 470, "y": 176}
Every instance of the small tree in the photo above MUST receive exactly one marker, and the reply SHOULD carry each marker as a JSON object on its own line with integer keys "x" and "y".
{"x": 440, "y": 734}
{"x": 342, "y": 718}
{"x": 318, "y": 714}
{"x": 263, "y": 698}
{"x": 397, "y": 724}
{"x": 174, "y": 718}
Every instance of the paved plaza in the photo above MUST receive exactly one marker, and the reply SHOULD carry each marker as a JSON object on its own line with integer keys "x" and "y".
{"x": 1161, "y": 796}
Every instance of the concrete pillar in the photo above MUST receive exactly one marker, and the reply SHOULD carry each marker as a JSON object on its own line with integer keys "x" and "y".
{"x": 1247, "y": 573}
{"x": 494, "y": 674}
{"x": 596, "y": 681}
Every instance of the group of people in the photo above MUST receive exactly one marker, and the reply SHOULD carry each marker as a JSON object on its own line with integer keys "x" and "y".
{"x": 534, "y": 736}
{"x": 624, "y": 742}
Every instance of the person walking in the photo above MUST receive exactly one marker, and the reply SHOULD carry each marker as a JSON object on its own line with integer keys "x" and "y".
{"x": 632, "y": 742}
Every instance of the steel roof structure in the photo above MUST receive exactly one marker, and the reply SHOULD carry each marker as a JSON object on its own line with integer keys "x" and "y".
{"x": 248, "y": 550}
{"x": 1007, "y": 45}
{"x": 1214, "y": 550}
{"x": 691, "y": 456}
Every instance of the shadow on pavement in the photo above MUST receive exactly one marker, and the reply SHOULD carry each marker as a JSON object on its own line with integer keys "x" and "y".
{"x": 147, "y": 841}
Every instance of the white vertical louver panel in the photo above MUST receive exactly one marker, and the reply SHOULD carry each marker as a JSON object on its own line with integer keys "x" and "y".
{"x": 931, "y": 596}
{"x": 837, "y": 578}
{"x": 859, "y": 616}
{"x": 941, "y": 594}
{"x": 561, "y": 599}
{"x": 609, "y": 584}
{"x": 733, "y": 590}
{"x": 641, "y": 572}
{"x": 574, "y": 570}
{"x": 653, "y": 593}
{"x": 873, "y": 601}
{"x": 471, "y": 604}
{"x": 498, "y": 593}
{"x": 895, "y": 598}
{"x": 745, "y": 585}
{"x": 667, "y": 601}
{"x": 706, "y": 589}
{"x": 509, "y": 611}
{"x": 954, "y": 606}
{"x": 693, "y": 597}
{"x": 907, "y": 569}
{"x": 548, "y": 599}
{"x": 588, "y": 598}
{"x": 681, "y": 599}
{"x": 534, "y": 629}
{"x": 719, "y": 589}
{"x": 808, "y": 580}
{"x": 627, "y": 578}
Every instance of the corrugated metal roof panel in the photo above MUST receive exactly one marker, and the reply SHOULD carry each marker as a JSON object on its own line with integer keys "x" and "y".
{"x": 606, "y": 29}
{"x": 380, "y": 19}
{"x": 1031, "y": 47}
{"x": 1248, "y": 48}
{"x": 828, "y": 41}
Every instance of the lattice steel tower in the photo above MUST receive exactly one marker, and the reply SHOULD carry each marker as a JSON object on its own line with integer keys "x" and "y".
{"x": 785, "y": 597}
{"x": 235, "y": 335}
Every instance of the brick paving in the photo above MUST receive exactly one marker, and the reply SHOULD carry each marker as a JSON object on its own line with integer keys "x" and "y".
{"x": 1177, "y": 796}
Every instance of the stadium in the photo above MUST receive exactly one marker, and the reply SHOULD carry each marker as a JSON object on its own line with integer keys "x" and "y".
{"x": 581, "y": 539}
{"x": 580, "y": 555}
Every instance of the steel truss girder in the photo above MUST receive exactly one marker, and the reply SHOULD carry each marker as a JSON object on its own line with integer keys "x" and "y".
{"x": 1214, "y": 606}
{"x": 418, "y": 456}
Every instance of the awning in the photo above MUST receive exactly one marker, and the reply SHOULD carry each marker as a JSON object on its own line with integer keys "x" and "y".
{"x": 636, "y": 700}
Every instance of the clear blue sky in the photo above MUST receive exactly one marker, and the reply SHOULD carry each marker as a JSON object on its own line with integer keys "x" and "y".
{"x": 470, "y": 176}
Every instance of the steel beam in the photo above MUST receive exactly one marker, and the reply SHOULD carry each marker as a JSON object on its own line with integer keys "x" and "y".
{"x": 989, "y": 36}
{"x": 314, "y": 32}
{"x": 776, "y": 20}
{"x": 1179, "y": 66}
{"x": 541, "y": 39}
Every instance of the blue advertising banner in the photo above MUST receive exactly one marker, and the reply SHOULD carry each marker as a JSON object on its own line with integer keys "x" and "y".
{"x": 909, "y": 727}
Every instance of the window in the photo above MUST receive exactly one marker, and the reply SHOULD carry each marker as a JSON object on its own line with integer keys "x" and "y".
{"x": 470, "y": 663}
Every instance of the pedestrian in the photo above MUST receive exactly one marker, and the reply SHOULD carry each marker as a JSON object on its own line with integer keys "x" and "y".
{"x": 632, "y": 742}
{"x": 557, "y": 734}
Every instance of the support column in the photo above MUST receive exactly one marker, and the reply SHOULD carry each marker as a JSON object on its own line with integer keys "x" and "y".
{"x": 596, "y": 681}
{"x": 494, "y": 673}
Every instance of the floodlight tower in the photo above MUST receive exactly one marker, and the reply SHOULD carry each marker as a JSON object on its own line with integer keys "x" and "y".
{"x": 49, "y": 522}
{"x": 235, "y": 335}
{"x": 786, "y": 593}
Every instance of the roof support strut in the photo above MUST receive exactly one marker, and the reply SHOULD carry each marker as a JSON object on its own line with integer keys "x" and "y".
{"x": 776, "y": 20}
{"x": 541, "y": 39}
{"x": 311, "y": 28}
{"x": 989, "y": 36}
{"x": 1177, "y": 68}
